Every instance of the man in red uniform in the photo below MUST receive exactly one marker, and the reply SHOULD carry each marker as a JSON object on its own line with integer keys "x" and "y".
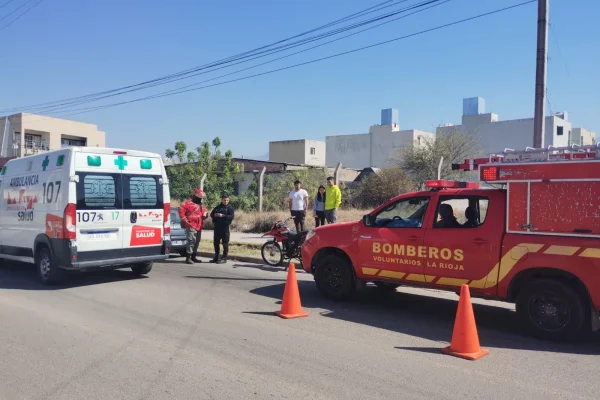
{"x": 193, "y": 213}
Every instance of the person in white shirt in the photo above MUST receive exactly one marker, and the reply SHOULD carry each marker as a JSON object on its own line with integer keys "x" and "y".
{"x": 298, "y": 205}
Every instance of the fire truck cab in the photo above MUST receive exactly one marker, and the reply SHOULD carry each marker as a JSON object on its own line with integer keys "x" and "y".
{"x": 531, "y": 237}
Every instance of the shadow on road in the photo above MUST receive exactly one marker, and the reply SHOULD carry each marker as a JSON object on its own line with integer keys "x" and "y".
{"x": 427, "y": 317}
{"x": 226, "y": 278}
{"x": 24, "y": 277}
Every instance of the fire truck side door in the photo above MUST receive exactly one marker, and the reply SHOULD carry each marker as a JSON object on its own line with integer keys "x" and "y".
{"x": 389, "y": 246}
{"x": 463, "y": 246}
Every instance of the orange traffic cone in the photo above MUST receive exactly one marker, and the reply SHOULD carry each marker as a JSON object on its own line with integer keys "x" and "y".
{"x": 291, "y": 306}
{"x": 465, "y": 341}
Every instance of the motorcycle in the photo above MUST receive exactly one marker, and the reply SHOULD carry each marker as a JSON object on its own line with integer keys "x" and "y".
{"x": 285, "y": 245}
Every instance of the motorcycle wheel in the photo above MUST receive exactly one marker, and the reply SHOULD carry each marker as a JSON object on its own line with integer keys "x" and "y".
{"x": 271, "y": 254}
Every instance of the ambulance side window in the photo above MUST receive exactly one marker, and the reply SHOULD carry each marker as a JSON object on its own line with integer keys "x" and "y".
{"x": 406, "y": 213}
{"x": 461, "y": 211}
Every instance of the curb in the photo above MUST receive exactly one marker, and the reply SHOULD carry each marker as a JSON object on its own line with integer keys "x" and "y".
{"x": 252, "y": 260}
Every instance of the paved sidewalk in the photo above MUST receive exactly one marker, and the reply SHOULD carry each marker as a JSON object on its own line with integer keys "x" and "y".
{"x": 252, "y": 238}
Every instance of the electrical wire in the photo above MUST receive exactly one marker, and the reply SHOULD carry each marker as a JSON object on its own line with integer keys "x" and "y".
{"x": 366, "y": 11}
{"x": 159, "y": 95}
{"x": 52, "y": 108}
{"x": 15, "y": 10}
{"x": 432, "y": 4}
{"x": 20, "y": 15}
{"x": 7, "y": 3}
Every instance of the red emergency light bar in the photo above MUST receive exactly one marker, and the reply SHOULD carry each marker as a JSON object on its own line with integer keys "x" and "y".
{"x": 448, "y": 184}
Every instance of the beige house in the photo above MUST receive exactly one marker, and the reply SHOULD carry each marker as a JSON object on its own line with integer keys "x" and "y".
{"x": 25, "y": 134}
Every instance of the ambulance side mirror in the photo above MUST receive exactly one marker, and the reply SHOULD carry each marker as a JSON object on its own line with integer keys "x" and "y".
{"x": 366, "y": 220}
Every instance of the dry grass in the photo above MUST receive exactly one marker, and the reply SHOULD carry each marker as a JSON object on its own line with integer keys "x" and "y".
{"x": 261, "y": 222}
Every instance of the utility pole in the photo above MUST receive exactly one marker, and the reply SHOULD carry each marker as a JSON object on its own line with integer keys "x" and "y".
{"x": 539, "y": 121}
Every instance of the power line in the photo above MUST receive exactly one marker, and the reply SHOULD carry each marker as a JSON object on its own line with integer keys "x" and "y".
{"x": 7, "y": 3}
{"x": 20, "y": 15}
{"x": 432, "y": 3}
{"x": 165, "y": 94}
{"x": 15, "y": 10}
{"x": 555, "y": 40}
{"x": 255, "y": 55}
{"x": 369, "y": 10}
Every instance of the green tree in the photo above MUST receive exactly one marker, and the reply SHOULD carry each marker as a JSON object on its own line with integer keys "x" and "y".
{"x": 420, "y": 161}
{"x": 276, "y": 188}
{"x": 381, "y": 187}
{"x": 190, "y": 166}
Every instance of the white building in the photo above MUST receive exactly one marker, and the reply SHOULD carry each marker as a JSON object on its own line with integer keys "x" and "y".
{"x": 301, "y": 152}
{"x": 375, "y": 148}
{"x": 498, "y": 135}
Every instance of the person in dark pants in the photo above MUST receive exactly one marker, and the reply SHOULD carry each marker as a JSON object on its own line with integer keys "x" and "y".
{"x": 298, "y": 202}
{"x": 319, "y": 207}
{"x": 222, "y": 215}
{"x": 192, "y": 214}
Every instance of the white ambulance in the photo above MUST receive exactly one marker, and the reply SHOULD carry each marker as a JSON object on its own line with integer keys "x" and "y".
{"x": 83, "y": 208}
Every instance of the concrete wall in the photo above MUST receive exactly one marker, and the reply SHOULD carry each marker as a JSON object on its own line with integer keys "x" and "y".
{"x": 373, "y": 149}
{"x": 318, "y": 158}
{"x": 582, "y": 137}
{"x": 298, "y": 152}
{"x": 353, "y": 151}
{"x": 51, "y": 130}
{"x": 287, "y": 151}
{"x": 515, "y": 134}
{"x": 385, "y": 146}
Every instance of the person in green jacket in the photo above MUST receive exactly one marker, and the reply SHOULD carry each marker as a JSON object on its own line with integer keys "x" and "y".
{"x": 333, "y": 199}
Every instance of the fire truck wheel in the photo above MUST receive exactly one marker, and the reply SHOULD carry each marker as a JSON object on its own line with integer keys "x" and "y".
{"x": 387, "y": 286}
{"x": 334, "y": 277}
{"x": 550, "y": 309}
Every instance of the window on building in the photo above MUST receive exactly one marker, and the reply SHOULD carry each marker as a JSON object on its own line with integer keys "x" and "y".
{"x": 313, "y": 151}
{"x": 73, "y": 142}
{"x": 560, "y": 131}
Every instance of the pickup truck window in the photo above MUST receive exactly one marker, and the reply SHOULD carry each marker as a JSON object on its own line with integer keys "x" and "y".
{"x": 461, "y": 211}
{"x": 406, "y": 213}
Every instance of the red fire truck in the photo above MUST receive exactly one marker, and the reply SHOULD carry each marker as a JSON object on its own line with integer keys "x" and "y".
{"x": 531, "y": 237}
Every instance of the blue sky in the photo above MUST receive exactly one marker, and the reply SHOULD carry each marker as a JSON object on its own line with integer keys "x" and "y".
{"x": 66, "y": 48}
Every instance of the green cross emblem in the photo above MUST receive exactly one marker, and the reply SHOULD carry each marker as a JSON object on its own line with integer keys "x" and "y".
{"x": 45, "y": 163}
{"x": 121, "y": 162}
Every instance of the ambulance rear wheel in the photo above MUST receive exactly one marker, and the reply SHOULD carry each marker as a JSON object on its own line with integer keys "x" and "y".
{"x": 141, "y": 269}
{"x": 48, "y": 272}
{"x": 550, "y": 309}
{"x": 334, "y": 277}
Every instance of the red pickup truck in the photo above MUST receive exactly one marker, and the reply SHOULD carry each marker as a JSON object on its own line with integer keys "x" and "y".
{"x": 534, "y": 241}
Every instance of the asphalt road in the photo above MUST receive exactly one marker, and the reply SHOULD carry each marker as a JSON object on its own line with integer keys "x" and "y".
{"x": 208, "y": 332}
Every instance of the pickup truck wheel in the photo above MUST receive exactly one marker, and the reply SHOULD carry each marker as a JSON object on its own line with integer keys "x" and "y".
{"x": 47, "y": 271}
{"x": 387, "y": 286}
{"x": 549, "y": 309}
{"x": 141, "y": 269}
{"x": 334, "y": 277}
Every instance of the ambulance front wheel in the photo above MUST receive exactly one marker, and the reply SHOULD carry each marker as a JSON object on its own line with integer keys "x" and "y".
{"x": 141, "y": 269}
{"x": 47, "y": 271}
{"x": 550, "y": 309}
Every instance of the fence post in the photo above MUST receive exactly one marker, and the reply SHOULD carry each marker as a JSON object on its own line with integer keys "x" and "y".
{"x": 261, "y": 179}
{"x": 336, "y": 173}
{"x": 202, "y": 181}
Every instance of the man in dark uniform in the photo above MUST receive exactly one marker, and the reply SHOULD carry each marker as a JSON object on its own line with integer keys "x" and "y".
{"x": 222, "y": 215}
